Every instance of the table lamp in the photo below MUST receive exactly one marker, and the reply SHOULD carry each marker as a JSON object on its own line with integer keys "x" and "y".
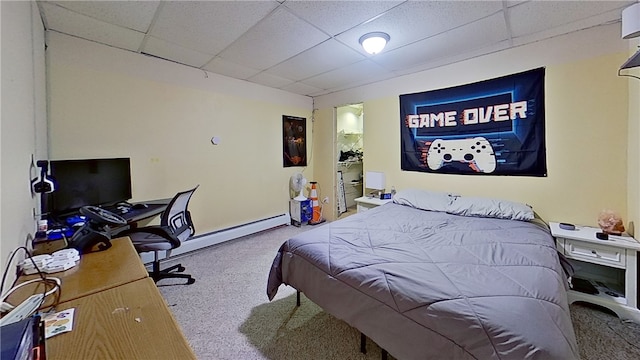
{"x": 374, "y": 180}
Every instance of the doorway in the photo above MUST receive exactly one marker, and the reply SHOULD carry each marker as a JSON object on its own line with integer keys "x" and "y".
{"x": 349, "y": 140}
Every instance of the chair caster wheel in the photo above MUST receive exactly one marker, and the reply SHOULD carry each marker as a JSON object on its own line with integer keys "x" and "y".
{"x": 191, "y": 281}
{"x": 181, "y": 268}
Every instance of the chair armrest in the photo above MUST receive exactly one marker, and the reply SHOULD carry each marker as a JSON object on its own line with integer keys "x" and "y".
{"x": 190, "y": 222}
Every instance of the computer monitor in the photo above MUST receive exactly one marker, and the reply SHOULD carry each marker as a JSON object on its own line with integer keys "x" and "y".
{"x": 89, "y": 182}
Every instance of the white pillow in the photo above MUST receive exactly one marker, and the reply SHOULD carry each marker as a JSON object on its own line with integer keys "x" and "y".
{"x": 492, "y": 208}
{"x": 424, "y": 199}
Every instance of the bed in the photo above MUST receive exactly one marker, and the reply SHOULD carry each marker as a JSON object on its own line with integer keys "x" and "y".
{"x": 437, "y": 276}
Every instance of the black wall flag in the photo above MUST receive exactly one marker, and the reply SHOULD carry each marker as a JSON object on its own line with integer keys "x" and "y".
{"x": 492, "y": 127}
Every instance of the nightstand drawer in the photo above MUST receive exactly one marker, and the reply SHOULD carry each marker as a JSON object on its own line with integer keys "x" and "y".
{"x": 604, "y": 255}
{"x": 365, "y": 203}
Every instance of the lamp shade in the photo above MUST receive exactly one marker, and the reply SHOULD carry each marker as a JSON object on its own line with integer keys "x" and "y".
{"x": 374, "y": 180}
{"x": 631, "y": 21}
{"x": 374, "y": 42}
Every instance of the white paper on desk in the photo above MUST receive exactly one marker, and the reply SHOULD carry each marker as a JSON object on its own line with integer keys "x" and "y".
{"x": 58, "y": 323}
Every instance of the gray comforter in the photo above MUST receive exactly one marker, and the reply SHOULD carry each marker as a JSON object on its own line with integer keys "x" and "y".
{"x": 429, "y": 285}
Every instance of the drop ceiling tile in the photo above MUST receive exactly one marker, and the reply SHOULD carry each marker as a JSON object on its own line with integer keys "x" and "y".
{"x": 511, "y": 3}
{"x": 320, "y": 93}
{"x": 174, "y": 52}
{"x": 503, "y": 45}
{"x": 534, "y": 16}
{"x": 302, "y": 89}
{"x": 321, "y": 58}
{"x": 278, "y": 37}
{"x": 290, "y": 40}
{"x": 416, "y": 20}
{"x": 478, "y": 34}
{"x": 135, "y": 15}
{"x": 604, "y": 18}
{"x": 366, "y": 80}
{"x": 227, "y": 68}
{"x": 344, "y": 76}
{"x": 208, "y": 26}
{"x": 270, "y": 80}
{"x": 335, "y": 17}
{"x": 72, "y": 23}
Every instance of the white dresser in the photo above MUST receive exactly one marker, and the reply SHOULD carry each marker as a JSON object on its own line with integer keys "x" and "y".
{"x": 365, "y": 203}
{"x": 610, "y": 265}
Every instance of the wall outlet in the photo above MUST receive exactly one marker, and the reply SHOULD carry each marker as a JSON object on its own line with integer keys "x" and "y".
{"x": 325, "y": 200}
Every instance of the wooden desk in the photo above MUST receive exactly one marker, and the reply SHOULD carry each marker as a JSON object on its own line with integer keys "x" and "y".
{"x": 154, "y": 208}
{"x": 120, "y": 314}
{"x": 97, "y": 271}
{"x": 131, "y": 321}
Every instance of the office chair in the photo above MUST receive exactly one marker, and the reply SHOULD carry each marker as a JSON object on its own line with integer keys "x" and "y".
{"x": 175, "y": 226}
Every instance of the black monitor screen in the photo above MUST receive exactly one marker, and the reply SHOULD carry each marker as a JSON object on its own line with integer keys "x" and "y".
{"x": 89, "y": 182}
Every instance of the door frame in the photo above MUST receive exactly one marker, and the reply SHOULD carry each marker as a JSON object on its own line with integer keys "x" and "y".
{"x": 334, "y": 208}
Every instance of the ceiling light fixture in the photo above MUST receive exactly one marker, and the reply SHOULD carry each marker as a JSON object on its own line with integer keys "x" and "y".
{"x": 374, "y": 42}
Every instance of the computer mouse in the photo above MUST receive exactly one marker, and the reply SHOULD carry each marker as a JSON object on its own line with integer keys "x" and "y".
{"x": 139, "y": 206}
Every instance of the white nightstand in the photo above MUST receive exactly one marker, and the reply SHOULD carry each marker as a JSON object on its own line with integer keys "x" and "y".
{"x": 610, "y": 265}
{"x": 365, "y": 203}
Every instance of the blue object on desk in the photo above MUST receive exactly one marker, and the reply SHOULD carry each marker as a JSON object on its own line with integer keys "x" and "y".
{"x": 56, "y": 234}
{"x": 72, "y": 220}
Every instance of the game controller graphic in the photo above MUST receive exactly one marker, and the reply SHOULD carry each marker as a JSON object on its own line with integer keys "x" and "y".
{"x": 477, "y": 152}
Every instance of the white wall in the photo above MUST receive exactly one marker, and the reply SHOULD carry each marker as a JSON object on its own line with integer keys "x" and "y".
{"x": 106, "y": 102}
{"x": 349, "y": 119}
{"x": 349, "y": 126}
{"x": 633, "y": 183}
{"x": 23, "y": 121}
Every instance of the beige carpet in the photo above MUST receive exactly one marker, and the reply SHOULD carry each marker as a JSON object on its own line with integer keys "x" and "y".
{"x": 226, "y": 313}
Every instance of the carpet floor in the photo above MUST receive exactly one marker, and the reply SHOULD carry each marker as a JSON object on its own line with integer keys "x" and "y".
{"x": 226, "y": 313}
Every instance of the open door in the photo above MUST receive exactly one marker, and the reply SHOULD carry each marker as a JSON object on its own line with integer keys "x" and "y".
{"x": 349, "y": 142}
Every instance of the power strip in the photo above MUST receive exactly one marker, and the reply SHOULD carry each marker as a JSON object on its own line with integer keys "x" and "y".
{"x": 24, "y": 310}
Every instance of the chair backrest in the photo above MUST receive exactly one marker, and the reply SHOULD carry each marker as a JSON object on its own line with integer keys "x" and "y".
{"x": 177, "y": 217}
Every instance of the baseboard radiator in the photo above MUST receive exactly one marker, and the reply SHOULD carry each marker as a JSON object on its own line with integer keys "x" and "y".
{"x": 220, "y": 236}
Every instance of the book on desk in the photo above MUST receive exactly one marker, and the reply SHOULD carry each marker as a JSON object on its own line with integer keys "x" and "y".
{"x": 23, "y": 339}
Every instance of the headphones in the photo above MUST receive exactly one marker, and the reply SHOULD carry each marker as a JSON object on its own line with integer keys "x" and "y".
{"x": 46, "y": 183}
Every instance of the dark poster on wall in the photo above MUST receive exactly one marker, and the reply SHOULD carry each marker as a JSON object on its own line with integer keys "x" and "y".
{"x": 294, "y": 135}
{"x": 492, "y": 127}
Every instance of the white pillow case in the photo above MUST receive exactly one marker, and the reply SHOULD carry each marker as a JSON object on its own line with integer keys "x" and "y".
{"x": 493, "y": 208}
{"x": 424, "y": 199}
